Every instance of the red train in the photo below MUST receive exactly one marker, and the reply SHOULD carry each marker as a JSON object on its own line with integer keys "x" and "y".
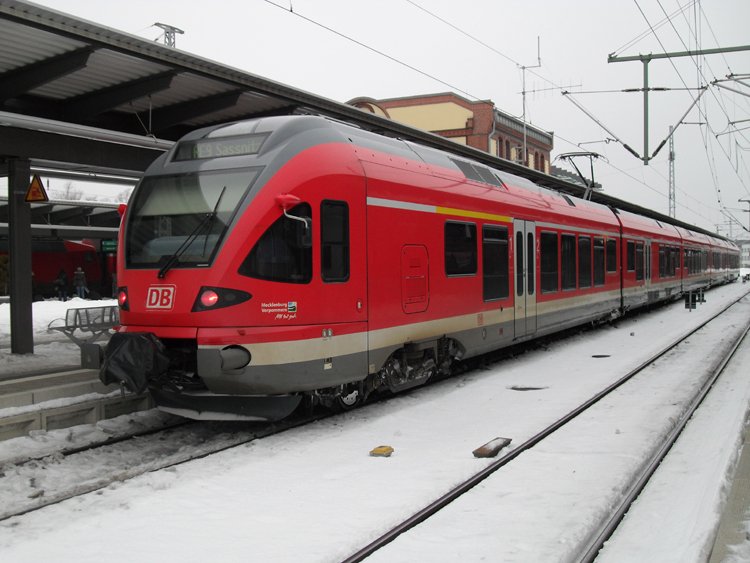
{"x": 49, "y": 256}
{"x": 275, "y": 259}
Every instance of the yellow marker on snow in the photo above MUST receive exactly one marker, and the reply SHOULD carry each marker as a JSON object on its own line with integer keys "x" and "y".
{"x": 382, "y": 451}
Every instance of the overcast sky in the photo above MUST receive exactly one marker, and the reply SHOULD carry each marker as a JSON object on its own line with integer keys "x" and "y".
{"x": 475, "y": 48}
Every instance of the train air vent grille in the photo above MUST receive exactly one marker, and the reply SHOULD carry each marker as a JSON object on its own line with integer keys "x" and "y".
{"x": 477, "y": 173}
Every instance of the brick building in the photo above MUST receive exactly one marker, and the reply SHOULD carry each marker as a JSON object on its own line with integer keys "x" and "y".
{"x": 476, "y": 124}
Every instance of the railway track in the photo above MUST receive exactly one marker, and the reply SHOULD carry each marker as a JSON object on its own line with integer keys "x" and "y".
{"x": 39, "y": 482}
{"x": 150, "y": 453}
{"x": 603, "y": 531}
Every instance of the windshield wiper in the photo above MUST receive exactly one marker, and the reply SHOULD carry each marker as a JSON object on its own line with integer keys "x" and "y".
{"x": 206, "y": 221}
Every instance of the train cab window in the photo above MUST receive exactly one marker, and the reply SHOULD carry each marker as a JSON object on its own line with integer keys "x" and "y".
{"x": 334, "y": 241}
{"x": 460, "y": 249}
{"x": 180, "y": 220}
{"x": 639, "y": 261}
{"x": 568, "y": 261}
{"x": 598, "y": 261}
{"x": 631, "y": 256}
{"x": 611, "y": 255}
{"x": 495, "y": 262}
{"x": 549, "y": 270}
{"x": 584, "y": 261}
{"x": 283, "y": 253}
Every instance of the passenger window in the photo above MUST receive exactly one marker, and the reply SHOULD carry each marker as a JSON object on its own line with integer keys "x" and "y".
{"x": 611, "y": 255}
{"x": 663, "y": 266}
{"x": 568, "y": 261}
{"x": 334, "y": 241}
{"x": 460, "y": 249}
{"x": 549, "y": 272}
{"x": 584, "y": 261}
{"x": 283, "y": 253}
{"x": 530, "y": 281}
{"x": 598, "y": 261}
{"x": 519, "y": 263}
{"x": 495, "y": 262}
{"x": 631, "y": 256}
{"x": 639, "y": 261}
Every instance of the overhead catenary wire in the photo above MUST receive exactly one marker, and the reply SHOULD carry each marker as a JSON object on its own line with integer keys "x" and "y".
{"x": 428, "y": 75}
{"x": 510, "y": 59}
{"x": 711, "y": 161}
{"x": 373, "y": 49}
{"x": 645, "y": 33}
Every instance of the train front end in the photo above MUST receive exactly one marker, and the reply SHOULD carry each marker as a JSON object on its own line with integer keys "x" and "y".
{"x": 235, "y": 260}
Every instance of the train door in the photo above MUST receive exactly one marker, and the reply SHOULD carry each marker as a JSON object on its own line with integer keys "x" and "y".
{"x": 525, "y": 282}
{"x": 342, "y": 293}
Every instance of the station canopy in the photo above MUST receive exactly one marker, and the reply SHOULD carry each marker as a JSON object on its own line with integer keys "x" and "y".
{"x": 77, "y": 97}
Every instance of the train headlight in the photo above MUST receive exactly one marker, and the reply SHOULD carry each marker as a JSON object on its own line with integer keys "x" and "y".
{"x": 210, "y": 298}
{"x": 122, "y": 298}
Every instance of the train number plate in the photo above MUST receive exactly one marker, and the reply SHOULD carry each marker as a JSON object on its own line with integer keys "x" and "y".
{"x": 160, "y": 297}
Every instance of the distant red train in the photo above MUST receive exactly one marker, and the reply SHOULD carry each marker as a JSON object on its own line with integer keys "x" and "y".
{"x": 50, "y": 256}
{"x": 284, "y": 258}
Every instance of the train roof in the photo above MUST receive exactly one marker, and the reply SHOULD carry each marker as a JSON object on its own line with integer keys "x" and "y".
{"x": 287, "y": 135}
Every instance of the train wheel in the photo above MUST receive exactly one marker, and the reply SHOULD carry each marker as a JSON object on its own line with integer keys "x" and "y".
{"x": 351, "y": 398}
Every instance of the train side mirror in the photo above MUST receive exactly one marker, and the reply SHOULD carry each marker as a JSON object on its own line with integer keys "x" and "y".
{"x": 287, "y": 201}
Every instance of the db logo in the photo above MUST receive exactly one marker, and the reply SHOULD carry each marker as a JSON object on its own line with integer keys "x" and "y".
{"x": 160, "y": 297}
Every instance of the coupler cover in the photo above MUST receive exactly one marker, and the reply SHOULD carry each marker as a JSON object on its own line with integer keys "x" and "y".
{"x": 132, "y": 358}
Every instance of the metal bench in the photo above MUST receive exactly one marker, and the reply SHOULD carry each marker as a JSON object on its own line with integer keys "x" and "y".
{"x": 84, "y": 327}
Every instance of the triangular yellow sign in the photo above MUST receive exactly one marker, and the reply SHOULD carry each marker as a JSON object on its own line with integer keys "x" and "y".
{"x": 36, "y": 190}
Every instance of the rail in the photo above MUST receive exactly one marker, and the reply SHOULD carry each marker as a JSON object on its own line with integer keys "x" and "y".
{"x": 473, "y": 481}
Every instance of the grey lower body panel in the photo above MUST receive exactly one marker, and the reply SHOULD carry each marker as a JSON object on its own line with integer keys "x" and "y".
{"x": 280, "y": 378}
{"x": 202, "y": 406}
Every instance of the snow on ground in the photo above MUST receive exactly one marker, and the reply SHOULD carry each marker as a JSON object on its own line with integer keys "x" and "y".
{"x": 314, "y": 494}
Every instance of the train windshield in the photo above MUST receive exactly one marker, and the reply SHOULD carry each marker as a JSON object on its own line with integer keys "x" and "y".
{"x": 179, "y": 221}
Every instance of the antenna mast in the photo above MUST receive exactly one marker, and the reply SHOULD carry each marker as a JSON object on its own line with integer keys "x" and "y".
{"x": 523, "y": 93}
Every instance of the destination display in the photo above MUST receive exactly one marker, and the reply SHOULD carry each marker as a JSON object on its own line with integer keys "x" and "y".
{"x": 218, "y": 148}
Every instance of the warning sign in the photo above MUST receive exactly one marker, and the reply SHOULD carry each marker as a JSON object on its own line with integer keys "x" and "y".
{"x": 36, "y": 190}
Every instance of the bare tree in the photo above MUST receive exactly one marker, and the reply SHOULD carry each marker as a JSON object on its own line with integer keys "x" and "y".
{"x": 69, "y": 193}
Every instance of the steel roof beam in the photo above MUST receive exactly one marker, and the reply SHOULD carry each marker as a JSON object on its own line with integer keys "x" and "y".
{"x": 175, "y": 114}
{"x": 99, "y": 101}
{"x": 16, "y": 82}
{"x": 65, "y": 216}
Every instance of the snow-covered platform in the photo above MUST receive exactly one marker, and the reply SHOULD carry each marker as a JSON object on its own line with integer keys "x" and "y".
{"x": 61, "y": 400}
